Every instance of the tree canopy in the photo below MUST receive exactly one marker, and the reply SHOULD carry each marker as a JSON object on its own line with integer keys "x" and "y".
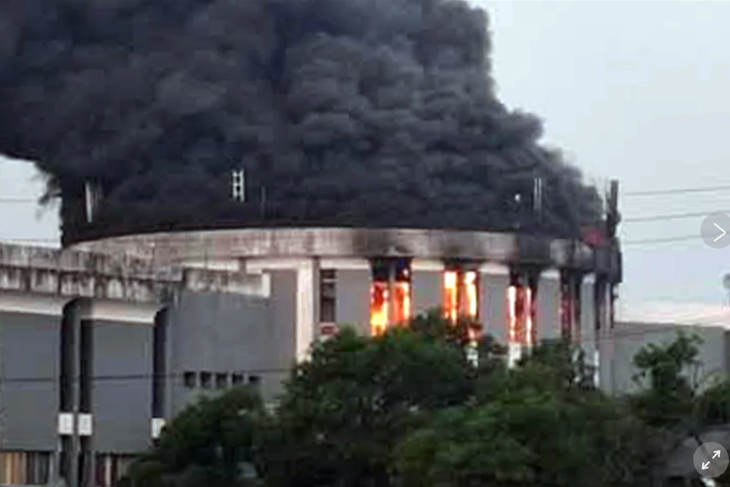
{"x": 411, "y": 409}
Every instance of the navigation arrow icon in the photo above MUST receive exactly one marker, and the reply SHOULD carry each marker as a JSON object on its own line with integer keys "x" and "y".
{"x": 705, "y": 466}
{"x": 723, "y": 233}
{"x": 716, "y": 454}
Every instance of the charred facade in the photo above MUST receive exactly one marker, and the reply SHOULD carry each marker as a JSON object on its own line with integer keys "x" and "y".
{"x": 520, "y": 289}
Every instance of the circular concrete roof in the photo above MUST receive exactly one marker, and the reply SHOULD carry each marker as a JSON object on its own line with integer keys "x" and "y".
{"x": 506, "y": 248}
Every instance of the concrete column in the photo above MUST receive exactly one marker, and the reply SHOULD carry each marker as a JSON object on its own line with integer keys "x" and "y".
{"x": 160, "y": 369}
{"x": 588, "y": 317}
{"x": 495, "y": 282}
{"x": 427, "y": 292}
{"x": 307, "y": 278}
{"x": 69, "y": 396}
{"x": 605, "y": 345}
{"x": 548, "y": 306}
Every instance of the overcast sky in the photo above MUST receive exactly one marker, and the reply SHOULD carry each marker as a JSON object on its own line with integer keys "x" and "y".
{"x": 632, "y": 90}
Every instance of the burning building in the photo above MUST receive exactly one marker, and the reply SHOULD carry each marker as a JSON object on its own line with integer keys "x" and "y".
{"x": 519, "y": 288}
{"x": 135, "y": 327}
{"x": 266, "y": 170}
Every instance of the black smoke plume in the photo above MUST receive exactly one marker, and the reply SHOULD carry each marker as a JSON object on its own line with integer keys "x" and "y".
{"x": 369, "y": 113}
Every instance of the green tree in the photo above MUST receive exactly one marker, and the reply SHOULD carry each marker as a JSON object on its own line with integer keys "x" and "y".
{"x": 668, "y": 398}
{"x": 209, "y": 443}
{"x": 346, "y": 408}
{"x": 540, "y": 424}
{"x": 672, "y": 404}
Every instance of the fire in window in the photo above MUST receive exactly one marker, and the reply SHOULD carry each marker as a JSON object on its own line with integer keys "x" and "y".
{"x": 379, "y": 298}
{"x": 470, "y": 300}
{"x": 461, "y": 295}
{"x": 402, "y": 292}
{"x": 529, "y": 317}
{"x": 521, "y": 308}
{"x": 451, "y": 295}
{"x": 390, "y": 294}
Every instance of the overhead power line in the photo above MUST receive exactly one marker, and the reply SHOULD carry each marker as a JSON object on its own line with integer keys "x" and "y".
{"x": 662, "y": 240}
{"x": 673, "y": 216}
{"x": 705, "y": 189}
{"x": 17, "y": 200}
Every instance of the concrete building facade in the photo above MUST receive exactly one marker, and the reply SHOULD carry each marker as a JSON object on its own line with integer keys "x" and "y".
{"x": 102, "y": 343}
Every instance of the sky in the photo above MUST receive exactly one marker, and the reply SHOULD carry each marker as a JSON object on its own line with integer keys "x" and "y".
{"x": 631, "y": 90}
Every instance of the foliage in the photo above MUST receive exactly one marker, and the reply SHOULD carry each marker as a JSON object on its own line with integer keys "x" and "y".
{"x": 207, "y": 444}
{"x": 542, "y": 424}
{"x": 409, "y": 409}
{"x": 713, "y": 406}
{"x": 669, "y": 398}
{"x": 344, "y": 410}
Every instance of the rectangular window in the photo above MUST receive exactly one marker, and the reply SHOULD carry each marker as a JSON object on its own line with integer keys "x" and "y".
{"x": 236, "y": 379}
{"x": 206, "y": 380}
{"x": 402, "y": 292}
{"x": 577, "y": 321}
{"x": 221, "y": 381}
{"x": 379, "y": 309}
{"x": 517, "y": 300}
{"x": 327, "y": 296}
{"x": 402, "y": 302}
{"x": 25, "y": 468}
{"x": 111, "y": 468}
{"x": 470, "y": 294}
{"x": 189, "y": 380}
{"x": 461, "y": 294}
{"x": 522, "y": 310}
{"x": 570, "y": 285}
{"x": 451, "y": 295}
{"x": 254, "y": 381}
{"x": 380, "y": 297}
{"x": 512, "y": 322}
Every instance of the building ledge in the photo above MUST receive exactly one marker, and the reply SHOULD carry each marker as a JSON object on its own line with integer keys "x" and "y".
{"x": 75, "y": 273}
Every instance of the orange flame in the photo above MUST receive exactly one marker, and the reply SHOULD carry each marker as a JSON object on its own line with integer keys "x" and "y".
{"x": 512, "y": 313}
{"x": 529, "y": 310}
{"x": 402, "y": 302}
{"x": 471, "y": 294}
{"x": 451, "y": 296}
{"x": 378, "y": 307}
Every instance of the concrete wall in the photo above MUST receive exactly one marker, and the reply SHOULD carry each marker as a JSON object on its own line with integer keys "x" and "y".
{"x": 629, "y": 338}
{"x": 427, "y": 291}
{"x": 122, "y": 393}
{"x": 280, "y": 332}
{"x": 548, "y": 308}
{"x": 494, "y": 290}
{"x": 230, "y": 334}
{"x": 353, "y": 299}
{"x": 588, "y": 319}
{"x": 29, "y": 358}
